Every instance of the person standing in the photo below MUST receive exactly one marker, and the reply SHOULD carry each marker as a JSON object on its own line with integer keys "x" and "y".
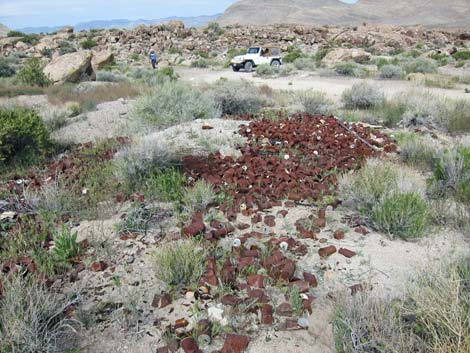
{"x": 153, "y": 59}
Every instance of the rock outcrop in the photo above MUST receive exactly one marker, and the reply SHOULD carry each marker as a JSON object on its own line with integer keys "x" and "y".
{"x": 72, "y": 67}
{"x": 344, "y": 54}
{"x": 101, "y": 59}
{"x": 450, "y": 13}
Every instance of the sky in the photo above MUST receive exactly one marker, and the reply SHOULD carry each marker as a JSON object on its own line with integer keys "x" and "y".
{"x": 34, "y": 13}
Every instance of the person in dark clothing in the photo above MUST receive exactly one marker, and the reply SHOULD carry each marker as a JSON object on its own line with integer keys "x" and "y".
{"x": 153, "y": 59}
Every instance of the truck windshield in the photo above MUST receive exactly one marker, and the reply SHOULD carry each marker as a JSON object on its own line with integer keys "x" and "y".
{"x": 253, "y": 51}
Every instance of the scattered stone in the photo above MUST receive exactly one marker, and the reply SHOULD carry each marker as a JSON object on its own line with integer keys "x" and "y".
{"x": 235, "y": 343}
{"x": 98, "y": 266}
{"x": 284, "y": 309}
{"x": 162, "y": 300}
{"x": 338, "y": 235}
{"x": 327, "y": 251}
{"x": 347, "y": 253}
{"x": 189, "y": 345}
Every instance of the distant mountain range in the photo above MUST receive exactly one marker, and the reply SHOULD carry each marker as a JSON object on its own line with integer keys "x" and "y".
{"x": 452, "y": 13}
{"x": 3, "y": 30}
{"x": 196, "y": 21}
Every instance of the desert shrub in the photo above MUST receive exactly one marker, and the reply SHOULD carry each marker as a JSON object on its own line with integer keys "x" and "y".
{"x": 320, "y": 54}
{"x": 236, "y": 97}
{"x": 462, "y": 55}
{"x": 416, "y": 151}
{"x": 23, "y": 135}
{"x": 108, "y": 76}
{"x": 402, "y": 215}
{"x": 386, "y": 195}
{"x": 31, "y": 74}
{"x": 15, "y": 34}
{"x": 180, "y": 264}
{"x": 452, "y": 174}
{"x": 88, "y": 44}
{"x": 32, "y": 319}
{"x": 266, "y": 70}
{"x": 364, "y": 323}
{"x": 65, "y": 245}
{"x": 56, "y": 118}
{"x": 201, "y": 63}
{"x": 175, "y": 103}
{"x": 145, "y": 156}
{"x": 420, "y": 65}
{"x": 431, "y": 316}
{"x": 292, "y": 55}
{"x": 346, "y": 68}
{"x": 304, "y": 64}
{"x": 154, "y": 78}
{"x": 363, "y": 96}
{"x": 164, "y": 185}
{"x": 66, "y": 48}
{"x": 198, "y": 197}
{"x": 315, "y": 102}
{"x": 458, "y": 118}
{"x": 47, "y": 52}
{"x": 391, "y": 72}
{"x": 6, "y": 70}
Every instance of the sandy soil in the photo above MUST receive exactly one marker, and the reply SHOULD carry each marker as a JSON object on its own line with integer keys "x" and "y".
{"x": 333, "y": 86}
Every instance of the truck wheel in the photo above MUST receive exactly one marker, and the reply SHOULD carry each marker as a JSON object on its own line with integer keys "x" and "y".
{"x": 248, "y": 66}
{"x": 276, "y": 63}
{"x": 235, "y": 68}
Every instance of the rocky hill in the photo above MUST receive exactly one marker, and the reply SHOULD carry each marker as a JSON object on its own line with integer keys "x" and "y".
{"x": 452, "y": 13}
{"x": 3, "y": 30}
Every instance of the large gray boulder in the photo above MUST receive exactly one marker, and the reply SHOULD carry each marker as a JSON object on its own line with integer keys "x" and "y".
{"x": 101, "y": 59}
{"x": 73, "y": 67}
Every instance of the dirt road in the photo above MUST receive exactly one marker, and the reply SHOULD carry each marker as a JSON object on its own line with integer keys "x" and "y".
{"x": 333, "y": 86}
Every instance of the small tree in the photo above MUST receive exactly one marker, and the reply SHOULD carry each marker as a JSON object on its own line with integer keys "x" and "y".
{"x": 32, "y": 74}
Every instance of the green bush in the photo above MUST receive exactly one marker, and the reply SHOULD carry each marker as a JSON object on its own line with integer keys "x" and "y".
{"x": 416, "y": 151}
{"x": 15, "y": 34}
{"x": 65, "y": 245}
{"x": 180, "y": 264}
{"x": 32, "y": 74}
{"x": 33, "y": 319}
{"x": 23, "y": 135}
{"x": 198, "y": 197}
{"x": 175, "y": 103}
{"x": 462, "y": 55}
{"x": 391, "y": 72}
{"x": 66, "y": 48}
{"x": 236, "y": 97}
{"x": 266, "y": 70}
{"x": 346, "y": 68}
{"x": 6, "y": 70}
{"x": 401, "y": 215}
{"x": 458, "y": 118}
{"x": 390, "y": 199}
{"x": 420, "y": 65}
{"x": 304, "y": 64}
{"x": 321, "y": 53}
{"x": 154, "y": 78}
{"x": 292, "y": 56}
{"x": 88, "y": 44}
{"x": 363, "y": 96}
{"x": 315, "y": 102}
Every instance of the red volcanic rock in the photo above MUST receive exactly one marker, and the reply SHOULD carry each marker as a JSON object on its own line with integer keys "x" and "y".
{"x": 270, "y": 221}
{"x": 197, "y": 226}
{"x": 284, "y": 309}
{"x": 302, "y": 286}
{"x": 98, "y": 266}
{"x": 256, "y": 281}
{"x": 338, "y": 235}
{"x": 327, "y": 251}
{"x": 235, "y": 343}
{"x": 189, "y": 345}
{"x": 161, "y": 301}
{"x": 361, "y": 230}
{"x": 311, "y": 279}
{"x": 347, "y": 253}
{"x": 267, "y": 314}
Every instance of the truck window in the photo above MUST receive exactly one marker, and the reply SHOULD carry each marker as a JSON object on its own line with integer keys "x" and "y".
{"x": 253, "y": 51}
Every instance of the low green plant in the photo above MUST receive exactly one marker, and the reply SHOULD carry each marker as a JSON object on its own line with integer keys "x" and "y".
{"x": 420, "y": 65}
{"x": 266, "y": 70}
{"x": 198, "y": 197}
{"x": 180, "y": 264}
{"x": 391, "y": 72}
{"x": 32, "y": 74}
{"x": 23, "y": 136}
{"x": 236, "y": 97}
{"x": 462, "y": 55}
{"x": 292, "y": 55}
{"x": 88, "y": 44}
{"x": 33, "y": 319}
{"x": 401, "y": 215}
{"x": 363, "y": 96}
{"x": 315, "y": 102}
{"x": 416, "y": 151}
{"x": 65, "y": 245}
{"x": 6, "y": 69}
{"x": 15, "y": 34}
{"x": 174, "y": 103}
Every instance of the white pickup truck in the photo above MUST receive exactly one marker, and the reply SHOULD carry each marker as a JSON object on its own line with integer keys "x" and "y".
{"x": 257, "y": 56}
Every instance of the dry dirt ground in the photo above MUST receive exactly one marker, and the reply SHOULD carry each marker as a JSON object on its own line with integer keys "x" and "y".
{"x": 332, "y": 86}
